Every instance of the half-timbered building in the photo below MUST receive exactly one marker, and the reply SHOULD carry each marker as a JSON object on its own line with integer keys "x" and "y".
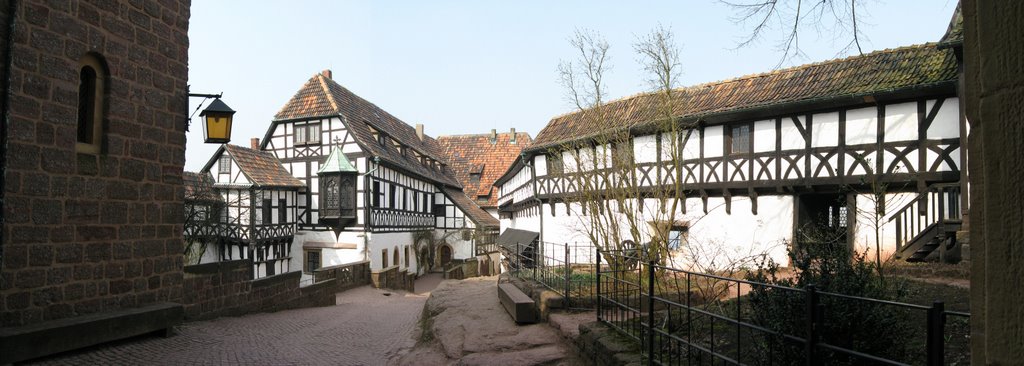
{"x": 763, "y": 156}
{"x": 363, "y": 185}
{"x": 258, "y": 209}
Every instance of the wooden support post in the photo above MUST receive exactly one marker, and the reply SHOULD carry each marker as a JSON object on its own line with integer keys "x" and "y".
{"x": 753, "y": 200}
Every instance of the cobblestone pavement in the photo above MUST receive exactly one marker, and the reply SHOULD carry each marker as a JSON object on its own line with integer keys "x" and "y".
{"x": 365, "y": 328}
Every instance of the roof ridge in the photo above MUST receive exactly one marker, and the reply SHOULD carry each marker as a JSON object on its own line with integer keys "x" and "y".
{"x": 488, "y": 134}
{"x": 327, "y": 91}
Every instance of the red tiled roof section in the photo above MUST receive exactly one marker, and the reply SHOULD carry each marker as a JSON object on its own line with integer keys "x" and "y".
{"x": 262, "y": 168}
{"x": 321, "y": 96}
{"x": 475, "y": 213}
{"x": 879, "y": 71}
{"x": 199, "y": 187}
{"x": 470, "y": 154}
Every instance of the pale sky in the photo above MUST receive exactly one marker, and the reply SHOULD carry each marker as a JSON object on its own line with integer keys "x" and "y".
{"x": 463, "y": 67}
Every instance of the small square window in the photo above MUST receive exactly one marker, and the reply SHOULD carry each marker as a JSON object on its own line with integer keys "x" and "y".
{"x": 224, "y": 165}
{"x": 739, "y": 139}
{"x": 312, "y": 262}
{"x": 307, "y": 133}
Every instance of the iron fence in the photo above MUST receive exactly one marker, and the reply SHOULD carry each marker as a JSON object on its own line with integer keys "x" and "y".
{"x": 568, "y": 269}
{"x": 682, "y": 317}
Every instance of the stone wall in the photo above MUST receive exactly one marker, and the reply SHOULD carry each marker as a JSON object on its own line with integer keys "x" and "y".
{"x": 227, "y": 289}
{"x": 87, "y": 233}
{"x": 394, "y": 279}
{"x": 994, "y": 90}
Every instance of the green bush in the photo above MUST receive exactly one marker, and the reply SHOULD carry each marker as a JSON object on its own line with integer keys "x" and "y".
{"x": 867, "y": 327}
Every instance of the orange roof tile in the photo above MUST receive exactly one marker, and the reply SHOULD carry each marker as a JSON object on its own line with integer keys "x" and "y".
{"x": 477, "y": 155}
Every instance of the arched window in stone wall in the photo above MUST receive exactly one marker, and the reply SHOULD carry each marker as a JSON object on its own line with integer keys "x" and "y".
{"x": 92, "y": 88}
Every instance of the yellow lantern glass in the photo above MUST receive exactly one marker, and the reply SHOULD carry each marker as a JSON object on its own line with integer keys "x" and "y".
{"x": 217, "y": 127}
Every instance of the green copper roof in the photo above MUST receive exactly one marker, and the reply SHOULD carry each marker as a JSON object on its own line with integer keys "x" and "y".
{"x": 337, "y": 163}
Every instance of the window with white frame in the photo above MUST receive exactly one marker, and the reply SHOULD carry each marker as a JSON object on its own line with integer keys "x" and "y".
{"x": 307, "y": 133}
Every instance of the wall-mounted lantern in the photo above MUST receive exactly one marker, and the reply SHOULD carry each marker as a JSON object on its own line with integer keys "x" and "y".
{"x": 217, "y": 118}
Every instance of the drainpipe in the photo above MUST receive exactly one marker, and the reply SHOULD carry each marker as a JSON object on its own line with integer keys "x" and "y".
{"x": 366, "y": 206}
{"x": 5, "y": 111}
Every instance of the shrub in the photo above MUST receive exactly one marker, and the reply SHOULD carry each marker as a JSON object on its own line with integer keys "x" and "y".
{"x": 867, "y": 327}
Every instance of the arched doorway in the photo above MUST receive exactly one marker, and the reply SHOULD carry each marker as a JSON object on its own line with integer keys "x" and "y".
{"x": 444, "y": 255}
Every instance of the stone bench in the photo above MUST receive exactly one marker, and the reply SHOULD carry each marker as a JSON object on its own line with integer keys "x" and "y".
{"x": 518, "y": 305}
{"x": 55, "y": 336}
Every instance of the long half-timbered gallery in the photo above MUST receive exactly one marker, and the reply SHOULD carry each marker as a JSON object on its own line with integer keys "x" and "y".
{"x": 337, "y": 180}
{"x": 762, "y": 158}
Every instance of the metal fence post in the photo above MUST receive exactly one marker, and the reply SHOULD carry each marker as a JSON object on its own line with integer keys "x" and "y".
{"x": 568, "y": 276}
{"x": 936, "y": 327}
{"x": 519, "y": 262}
{"x": 597, "y": 276}
{"x": 650, "y": 312}
{"x": 812, "y": 324}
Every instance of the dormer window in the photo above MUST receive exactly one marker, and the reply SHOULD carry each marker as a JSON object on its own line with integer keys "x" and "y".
{"x": 474, "y": 177}
{"x": 307, "y": 133}
{"x": 398, "y": 146}
{"x": 377, "y": 136}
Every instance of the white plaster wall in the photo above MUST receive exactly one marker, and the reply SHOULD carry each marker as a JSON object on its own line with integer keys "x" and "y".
{"x": 713, "y": 141}
{"x": 719, "y": 239}
{"x": 862, "y": 126}
{"x": 947, "y": 122}
{"x": 901, "y": 122}
{"x": 540, "y": 162}
{"x": 461, "y": 249}
{"x": 791, "y": 137}
{"x": 864, "y": 231}
{"x": 645, "y": 149}
{"x": 764, "y": 136}
{"x": 212, "y": 254}
{"x": 390, "y": 241}
{"x": 328, "y": 256}
{"x": 691, "y": 144}
{"x": 825, "y": 129}
{"x": 567, "y": 225}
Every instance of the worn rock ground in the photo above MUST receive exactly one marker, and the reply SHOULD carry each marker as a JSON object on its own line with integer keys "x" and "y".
{"x": 464, "y": 324}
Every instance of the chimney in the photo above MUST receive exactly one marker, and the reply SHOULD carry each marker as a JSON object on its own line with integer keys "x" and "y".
{"x": 494, "y": 136}
{"x": 254, "y": 143}
{"x": 327, "y": 74}
{"x": 512, "y": 140}
{"x": 419, "y": 131}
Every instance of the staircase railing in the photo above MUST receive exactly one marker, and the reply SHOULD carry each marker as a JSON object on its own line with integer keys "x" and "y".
{"x": 938, "y": 205}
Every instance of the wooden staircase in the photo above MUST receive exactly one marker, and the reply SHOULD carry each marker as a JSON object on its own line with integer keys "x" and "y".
{"x": 927, "y": 226}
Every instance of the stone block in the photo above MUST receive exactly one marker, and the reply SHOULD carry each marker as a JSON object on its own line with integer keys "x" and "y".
{"x": 517, "y": 304}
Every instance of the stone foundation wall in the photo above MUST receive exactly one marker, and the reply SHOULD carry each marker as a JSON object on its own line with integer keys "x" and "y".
{"x": 394, "y": 279}
{"x": 227, "y": 289}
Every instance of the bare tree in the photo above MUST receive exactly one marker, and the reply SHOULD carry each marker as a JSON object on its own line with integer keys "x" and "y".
{"x": 204, "y": 209}
{"x": 605, "y": 182}
{"x": 837, "y": 17}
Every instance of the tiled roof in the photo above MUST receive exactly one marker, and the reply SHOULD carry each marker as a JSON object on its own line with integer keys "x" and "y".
{"x": 955, "y": 33}
{"x": 876, "y": 72}
{"x": 322, "y": 97}
{"x": 471, "y": 154}
{"x": 262, "y": 168}
{"x": 199, "y": 187}
{"x": 475, "y": 213}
